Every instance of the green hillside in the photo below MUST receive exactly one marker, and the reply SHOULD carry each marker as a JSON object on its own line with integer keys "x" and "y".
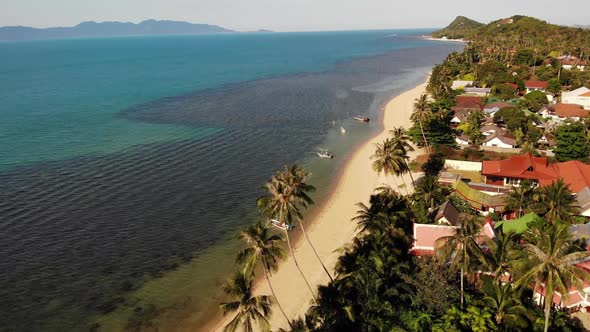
{"x": 461, "y": 27}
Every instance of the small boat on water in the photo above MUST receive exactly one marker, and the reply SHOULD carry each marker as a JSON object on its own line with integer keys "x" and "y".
{"x": 362, "y": 118}
{"x": 325, "y": 154}
{"x": 281, "y": 225}
{"x": 342, "y": 130}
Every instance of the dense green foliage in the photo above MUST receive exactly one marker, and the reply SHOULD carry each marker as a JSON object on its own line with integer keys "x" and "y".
{"x": 461, "y": 27}
{"x": 572, "y": 142}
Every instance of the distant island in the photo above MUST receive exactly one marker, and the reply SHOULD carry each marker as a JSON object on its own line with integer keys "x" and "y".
{"x": 109, "y": 29}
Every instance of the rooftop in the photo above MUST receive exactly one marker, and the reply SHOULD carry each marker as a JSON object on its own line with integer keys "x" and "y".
{"x": 536, "y": 84}
{"x": 570, "y": 111}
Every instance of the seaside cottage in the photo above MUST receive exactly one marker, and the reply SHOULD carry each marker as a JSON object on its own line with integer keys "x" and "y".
{"x": 461, "y": 84}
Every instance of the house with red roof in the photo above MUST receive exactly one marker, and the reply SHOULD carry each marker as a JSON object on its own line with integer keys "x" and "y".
{"x": 560, "y": 112}
{"x": 571, "y": 62}
{"x": 511, "y": 172}
{"x": 468, "y": 103}
{"x": 531, "y": 86}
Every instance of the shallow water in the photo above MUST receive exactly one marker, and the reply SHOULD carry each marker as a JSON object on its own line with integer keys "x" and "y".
{"x": 128, "y": 165}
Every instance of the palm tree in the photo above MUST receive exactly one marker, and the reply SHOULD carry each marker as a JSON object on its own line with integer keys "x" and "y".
{"x": 428, "y": 190}
{"x": 504, "y": 300}
{"x": 293, "y": 178}
{"x": 280, "y": 203}
{"x": 386, "y": 209}
{"x": 557, "y": 202}
{"x": 502, "y": 252}
{"x": 421, "y": 110}
{"x": 249, "y": 308}
{"x": 262, "y": 247}
{"x": 521, "y": 198}
{"x": 401, "y": 141}
{"x": 551, "y": 263}
{"x": 386, "y": 160}
{"x": 461, "y": 248}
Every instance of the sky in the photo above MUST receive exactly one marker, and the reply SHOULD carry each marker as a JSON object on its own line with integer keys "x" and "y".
{"x": 289, "y": 15}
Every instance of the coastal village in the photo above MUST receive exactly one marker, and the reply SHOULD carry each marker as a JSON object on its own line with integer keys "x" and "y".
{"x": 481, "y": 221}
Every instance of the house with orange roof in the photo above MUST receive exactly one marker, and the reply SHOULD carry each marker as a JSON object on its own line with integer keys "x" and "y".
{"x": 571, "y": 62}
{"x": 531, "y": 86}
{"x": 579, "y": 96}
{"x": 560, "y": 112}
{"x": 511, "y": 172}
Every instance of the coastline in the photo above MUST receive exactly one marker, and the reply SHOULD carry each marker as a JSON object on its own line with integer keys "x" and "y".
{"x": 330, "y": 228}
{"x": 445, "y": 39}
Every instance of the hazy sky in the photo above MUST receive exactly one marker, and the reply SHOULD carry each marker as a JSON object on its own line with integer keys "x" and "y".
{"x": 289, "y": 15}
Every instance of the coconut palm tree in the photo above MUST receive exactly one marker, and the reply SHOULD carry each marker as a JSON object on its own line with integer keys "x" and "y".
{"x": 386, "y": 160}
{"x": 556, "y": 202}
{"x": 428, "y": 190}
{"x": 461, "y": 248}
{"x": 386, "y": 209}
{"x": 502, "y": 251}
{"x": 280, "y": 203}
{"x": 550, "y": 262}
{"x": 422, "y": 110}
{"x": 249, "y": 309}
{"x": 265, "y": 248}
{"x": 521, "y": 198}
{"x": 293, "y": 177}
{"x": 505, "y": 302}
{"x": 401, "y": 141}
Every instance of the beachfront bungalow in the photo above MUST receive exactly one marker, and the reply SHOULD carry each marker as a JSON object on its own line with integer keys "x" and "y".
{"x": 511, "y": 172}
{"x": 461, "y": 84}
{"x": 468, "y": 103}
{"x": 579, "y": 96}
{"x": 531, "y": 86}
{"x": 500, "y": 140}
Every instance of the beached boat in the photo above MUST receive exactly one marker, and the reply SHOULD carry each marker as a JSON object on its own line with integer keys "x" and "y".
{"x": 342, "y": 130}
{"x": 325, "y": 154}
{"x": 281, "y": 225}
{"x": 362, "y": 118}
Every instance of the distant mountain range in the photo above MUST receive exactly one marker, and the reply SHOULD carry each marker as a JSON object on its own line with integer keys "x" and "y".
{"x": 109, "y": 29}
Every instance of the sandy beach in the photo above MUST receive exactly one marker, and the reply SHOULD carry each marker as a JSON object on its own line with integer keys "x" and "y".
{"x": 331, "y": 228}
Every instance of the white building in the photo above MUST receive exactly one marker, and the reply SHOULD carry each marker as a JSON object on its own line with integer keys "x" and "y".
{"x": 461, "y": 84}
{"x": 579, "y": 96}
{"x": 496, "y": 140}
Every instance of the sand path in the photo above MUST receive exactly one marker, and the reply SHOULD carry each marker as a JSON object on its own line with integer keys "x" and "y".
{"x": 331, "y": 228}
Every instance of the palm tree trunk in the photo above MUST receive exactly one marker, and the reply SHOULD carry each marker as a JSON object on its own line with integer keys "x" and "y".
{"x": 405, "y": 184}
{"x": 314, "y": 251}
{"x": 423, "y": 136}
{"x": 272, "y": 290}
{"x": 410, "y": 172}
{"x": 547, "y": 312}
{"x": 299, "y": 268}
{"x": 462, "y": 296}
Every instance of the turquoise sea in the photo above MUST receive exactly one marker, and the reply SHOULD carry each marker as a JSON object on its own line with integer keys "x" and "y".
{"x": 127, "y": 165}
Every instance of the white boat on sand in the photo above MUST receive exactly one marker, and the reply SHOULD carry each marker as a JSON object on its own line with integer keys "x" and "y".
{"x": 281, "y": 225}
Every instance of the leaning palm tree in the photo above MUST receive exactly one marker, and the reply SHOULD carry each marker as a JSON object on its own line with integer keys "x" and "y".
{"x": 550, "y": 262}
{"x": 556, "y": 202}
{"x": 280, "y": 203}
{"x": 249, "y": 309}
{"x": 386, "y": 161}
{"x": 461, "y": 248}
{"x": 293, "y": 178}
{"x": 422, "y": 110}
{"x": 265, "y": 248}
{"x": 401, "y": 141}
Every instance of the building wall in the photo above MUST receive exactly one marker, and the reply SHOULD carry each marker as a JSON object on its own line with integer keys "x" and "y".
{"x": 463, "y": 165}
{"x": 584, "y": 101}
{"x": 496, "y": 142}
